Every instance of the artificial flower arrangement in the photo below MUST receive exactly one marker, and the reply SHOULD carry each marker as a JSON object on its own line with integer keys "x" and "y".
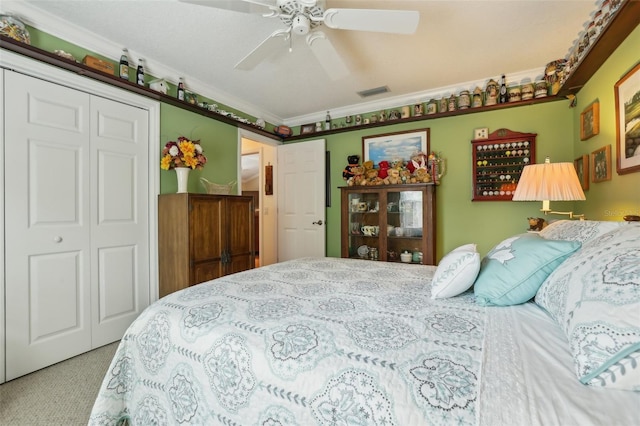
{"x": 183, "y": 153}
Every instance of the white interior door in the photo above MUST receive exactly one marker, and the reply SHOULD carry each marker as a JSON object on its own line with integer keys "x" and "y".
{"x": 47, "y": 244}
{"x": 119, "y": 220}
{"x": 301, "y": 200}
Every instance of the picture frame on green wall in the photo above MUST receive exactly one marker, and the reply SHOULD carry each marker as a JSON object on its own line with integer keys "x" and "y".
{"x": 395, "y": 146}
{"x": 582, "y": 169}
{"x": 590, "y": 121}
{"x": 601, "y": 164}
{"x": 627, "y": 97}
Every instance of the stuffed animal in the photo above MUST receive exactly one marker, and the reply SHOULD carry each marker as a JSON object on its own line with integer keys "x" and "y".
{"x": 353, "y": 161}
{"x": 405, "y": 176}
{"x": 370, "y": 174}
{"x": 397, "y": 163}
{"x": 536, "y": 223}
{"x": 421, "y": 176}
{"x": 393, "y": 177}
{"x": 383, "y": 167}
{"x": 418, "y": 161}
{"x": 357, "y": 175}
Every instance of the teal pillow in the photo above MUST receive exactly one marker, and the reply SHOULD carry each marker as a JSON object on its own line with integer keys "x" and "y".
{"x": 514, "y": 270}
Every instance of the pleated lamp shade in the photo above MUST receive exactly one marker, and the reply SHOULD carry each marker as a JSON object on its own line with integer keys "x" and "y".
{"x": 549, "y": 182}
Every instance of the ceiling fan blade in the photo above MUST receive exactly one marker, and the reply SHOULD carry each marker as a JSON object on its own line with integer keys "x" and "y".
{"x": 268, "y": 47}
{"x": 244, "y": 6}
{"x": 384, "y": 21}
{"x": 327, "y": 55}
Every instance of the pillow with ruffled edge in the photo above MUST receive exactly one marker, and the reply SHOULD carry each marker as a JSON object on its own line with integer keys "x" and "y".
{"x": 456, "y": 272}
{"x": 594, "y": 298}
{"x": 514, "y": 270}
{"x": 578, "y": 230}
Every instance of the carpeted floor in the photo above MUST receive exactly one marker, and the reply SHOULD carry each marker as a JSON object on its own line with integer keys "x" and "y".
{"x": 62, "y": 394}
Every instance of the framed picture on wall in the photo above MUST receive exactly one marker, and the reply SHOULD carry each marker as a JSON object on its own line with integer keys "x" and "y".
{"x": 306, "y": 129}
{"x": 392, "y": 146}
{"x": 582, "y": 169}
{"x": 627, "y": 92}
{"x": 590, "y": 121}
{"x": 601, "y": 164}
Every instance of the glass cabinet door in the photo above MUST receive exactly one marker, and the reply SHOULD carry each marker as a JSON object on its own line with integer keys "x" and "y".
{"x": 404, "y": 226}
{"x": 392, "y": 223}
{"x": 364, "y": 225}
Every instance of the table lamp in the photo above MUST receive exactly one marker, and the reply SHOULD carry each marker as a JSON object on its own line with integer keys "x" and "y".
{"x": 549, "y": 182}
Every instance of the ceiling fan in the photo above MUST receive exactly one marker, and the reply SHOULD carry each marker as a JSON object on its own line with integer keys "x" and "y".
{"x": 303, "y": 17}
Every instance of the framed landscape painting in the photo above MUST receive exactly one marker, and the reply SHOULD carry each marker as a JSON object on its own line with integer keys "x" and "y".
{"x": 395, "y": 146}
{"x": 627, "y": 91}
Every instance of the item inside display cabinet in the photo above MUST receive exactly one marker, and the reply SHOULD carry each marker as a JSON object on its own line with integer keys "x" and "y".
{"x": 382, "y": 222}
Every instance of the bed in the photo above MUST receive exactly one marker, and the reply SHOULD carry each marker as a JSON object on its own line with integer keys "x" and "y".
{"x": 333, "y": 341}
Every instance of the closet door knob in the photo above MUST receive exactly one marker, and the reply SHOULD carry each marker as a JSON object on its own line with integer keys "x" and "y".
{"x": 57, "y": 239}
{"x": 317, "y": 223}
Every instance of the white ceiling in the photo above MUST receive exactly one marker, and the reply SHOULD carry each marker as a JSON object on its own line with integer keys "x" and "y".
{"x": 458, "y": 45}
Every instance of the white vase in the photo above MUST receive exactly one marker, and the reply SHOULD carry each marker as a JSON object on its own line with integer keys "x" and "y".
{"x": 182, "y": 173}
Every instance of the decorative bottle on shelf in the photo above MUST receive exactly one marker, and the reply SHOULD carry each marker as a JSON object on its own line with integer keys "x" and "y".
{"x": 181, "y": 89}
{"x": 124, "y": 64}
{"x": 327, "y": 121}
{"x": 140, "y": 73}
{"x": 503, "y": 91}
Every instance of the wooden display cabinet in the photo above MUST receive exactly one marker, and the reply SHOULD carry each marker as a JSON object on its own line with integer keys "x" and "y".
{"x": 498, "y": 162}
{"x": 381, "y": 222}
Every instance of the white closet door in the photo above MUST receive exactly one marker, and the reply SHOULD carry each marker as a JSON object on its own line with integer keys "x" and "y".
{"x": 47, "y": 202}
{"x": 120, "y": 225}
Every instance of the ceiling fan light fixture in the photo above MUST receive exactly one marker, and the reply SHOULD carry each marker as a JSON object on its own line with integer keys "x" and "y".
{"x": 300, "y": 24}
{"x": 373, "y": 92}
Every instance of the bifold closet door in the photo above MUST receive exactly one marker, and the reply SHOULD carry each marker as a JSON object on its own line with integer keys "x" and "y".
{"x": 47, "y": 203}
{"x": 77, "y": 227}
{"x": 120, "y": 217}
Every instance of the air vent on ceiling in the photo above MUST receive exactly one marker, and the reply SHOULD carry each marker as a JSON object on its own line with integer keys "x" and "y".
{"x": 374, "y": 91}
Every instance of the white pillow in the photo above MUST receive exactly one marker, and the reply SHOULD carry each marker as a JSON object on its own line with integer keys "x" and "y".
{"x": 594, "y": 298}
{"x": 456, "y": 272}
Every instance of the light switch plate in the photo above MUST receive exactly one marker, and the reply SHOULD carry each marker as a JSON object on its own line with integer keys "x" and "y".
{"x": 481, "y": 133}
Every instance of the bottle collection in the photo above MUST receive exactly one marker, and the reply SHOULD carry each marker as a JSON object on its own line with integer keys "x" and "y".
{"x": 123, "y": 73}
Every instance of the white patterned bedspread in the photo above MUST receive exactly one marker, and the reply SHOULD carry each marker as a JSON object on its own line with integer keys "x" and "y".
{"x": 312, "y": 341}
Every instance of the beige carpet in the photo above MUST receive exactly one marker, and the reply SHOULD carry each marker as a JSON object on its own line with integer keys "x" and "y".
{"x": 62, "y": 394}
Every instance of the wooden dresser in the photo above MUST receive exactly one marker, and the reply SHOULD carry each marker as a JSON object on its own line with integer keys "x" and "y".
{"x": 202, "y": 237}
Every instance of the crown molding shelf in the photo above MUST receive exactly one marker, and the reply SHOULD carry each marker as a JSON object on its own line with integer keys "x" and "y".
{"x": 83, "y": 70}
{"x": 426, "y": 117}
{"x": 620, "y": 26}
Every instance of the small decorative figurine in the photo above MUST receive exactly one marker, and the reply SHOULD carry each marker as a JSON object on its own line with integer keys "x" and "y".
{"x": 491, "y": 93}
{"x": 477, "y": 98}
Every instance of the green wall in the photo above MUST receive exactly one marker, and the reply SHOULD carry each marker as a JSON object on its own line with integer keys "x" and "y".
{"x": 609, "y": 200}
{"x": 218, "y": 140}
{"x": 460, "y": 220}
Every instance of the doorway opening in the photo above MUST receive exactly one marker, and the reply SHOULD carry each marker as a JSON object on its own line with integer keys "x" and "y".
{"x": 255, "y": 152}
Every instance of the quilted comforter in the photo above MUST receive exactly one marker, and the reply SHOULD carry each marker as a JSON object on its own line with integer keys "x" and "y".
{"x": 310, "y": 341}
